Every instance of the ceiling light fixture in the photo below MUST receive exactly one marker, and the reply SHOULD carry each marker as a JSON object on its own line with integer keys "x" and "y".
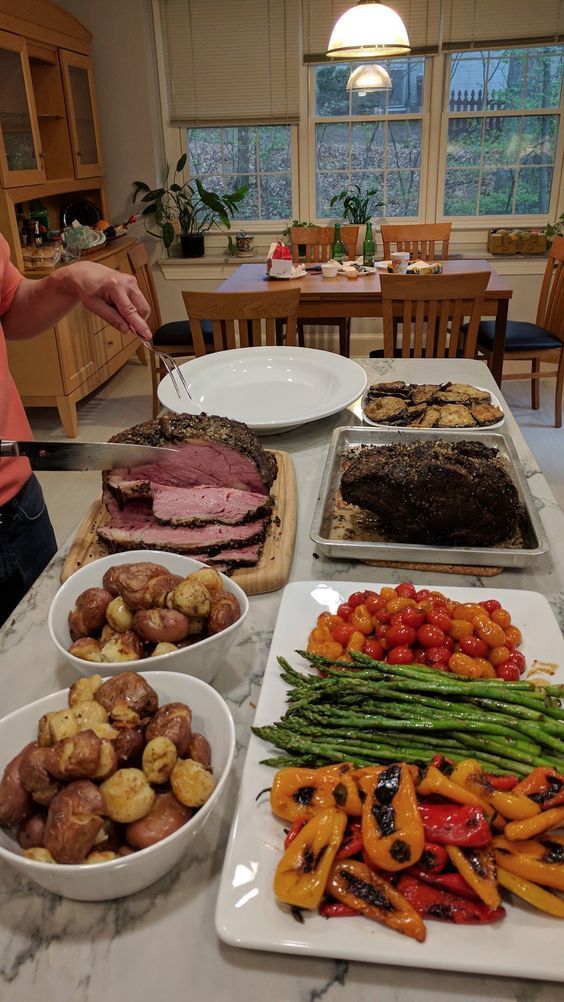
{"x": 368, "y": 30}
{"x": 368, "y": 78}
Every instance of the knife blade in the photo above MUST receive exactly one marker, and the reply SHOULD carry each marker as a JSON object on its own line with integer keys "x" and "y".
{"x": 84, "y": 455}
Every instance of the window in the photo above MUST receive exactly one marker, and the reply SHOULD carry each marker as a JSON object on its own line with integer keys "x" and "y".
{"x": 373, "y": 140}
{"x": 504, "y": 109}
{"x": 260, "y": 156}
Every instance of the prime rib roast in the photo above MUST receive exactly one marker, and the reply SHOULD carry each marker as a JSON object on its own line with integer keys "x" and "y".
{"x": 436, "y": 493}
{"x": 210, "y": 499}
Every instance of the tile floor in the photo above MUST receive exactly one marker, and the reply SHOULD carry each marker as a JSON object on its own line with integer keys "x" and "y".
{"x": 125, "y": 400}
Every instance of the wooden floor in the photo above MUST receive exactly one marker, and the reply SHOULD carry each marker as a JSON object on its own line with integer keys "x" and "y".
{"x": 125, "y": 400}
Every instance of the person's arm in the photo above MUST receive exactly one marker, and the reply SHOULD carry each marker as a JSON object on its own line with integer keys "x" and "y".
{"x": 38, "y": 304}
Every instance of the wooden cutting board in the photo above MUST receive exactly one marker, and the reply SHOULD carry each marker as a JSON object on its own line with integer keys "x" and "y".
{"x": 273, "y": 568}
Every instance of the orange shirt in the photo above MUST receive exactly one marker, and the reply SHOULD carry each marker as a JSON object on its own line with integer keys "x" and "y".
{"x": 13, "y": 420}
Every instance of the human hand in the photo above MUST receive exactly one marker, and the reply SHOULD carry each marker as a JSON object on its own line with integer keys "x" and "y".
{"x": 115, "y": 297}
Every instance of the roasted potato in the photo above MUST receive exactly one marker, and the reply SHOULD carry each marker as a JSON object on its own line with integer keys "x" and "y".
{"x": 89, "y": 614}
{"x": 122, "y": 647}
{"x": 191, "y": 598}
{"x": 224, "y": 611}
{"x": 130, "y": 688}
{"x": 89, "y": 713}
{"x": 75, "y": 758}
{"x": 159, "y": 759}
{"x": 16, "y": 804}
{"x": 192, "y": 784}
{"x": 87, "y": 648}
{"x": 57, "y": 725}
{"x": 199, "y": 749}
{"x": 163, "y": 648}
{"x": 128, "y": 795}
{"x": 210, "y": 579}
{"x": 74, "y": 818}
{"x": 154, "y": 625}
{"x": 172, "y": 721}
{"x": 131, "y": 581}
{"x": 128, "y": 745}
{"x": 121, "y": 713}
{"x": 36, "y": 776}
{"x": 166, "y": 816}
{"x": 39, "y": 855}
{"x": 118, "y": 615}
{"x": 196, "y": 626}
{"x": 100, "y": 856}
{"x": 108, "y": 762}
{"x": 84, "y": 689}
{"x": 109, "y": 579}
{"x": 159, "y": 589}
{"x": 31, "y": 834}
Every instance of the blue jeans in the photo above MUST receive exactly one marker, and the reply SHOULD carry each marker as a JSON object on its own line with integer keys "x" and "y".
{"x": 27, "y": 543}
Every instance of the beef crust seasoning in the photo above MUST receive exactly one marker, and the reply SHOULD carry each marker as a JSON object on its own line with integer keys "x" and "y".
{"x": 437, "y": 493}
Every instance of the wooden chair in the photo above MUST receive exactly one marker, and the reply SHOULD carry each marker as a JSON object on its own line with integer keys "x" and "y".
{"x": 420, "y": 239}
{"x": 174, "y": 338}
{"x": 542, "y": 341}
{"x": 241, "y": 319}
{"x": 424, "y": 314}
{"x": 317, "y": 242}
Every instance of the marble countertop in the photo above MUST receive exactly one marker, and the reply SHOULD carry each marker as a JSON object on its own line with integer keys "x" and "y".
{"x": 161, "y": 943}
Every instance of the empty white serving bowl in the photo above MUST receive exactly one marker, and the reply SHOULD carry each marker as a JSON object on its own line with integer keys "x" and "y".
{"x": 202, "y": 659}
{"x": 329, "y": 270}
{"x": 115, "y": 879}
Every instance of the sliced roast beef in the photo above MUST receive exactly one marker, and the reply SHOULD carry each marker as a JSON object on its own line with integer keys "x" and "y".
{"x": 244, "y": 556}
{"x": 210, "y": 450}
{"x": 200, "y": 505}
{"x": 136, "y": 528}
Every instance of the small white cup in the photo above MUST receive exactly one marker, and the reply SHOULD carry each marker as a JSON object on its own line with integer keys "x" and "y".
{"x": 329, "y": 270}
{"x": 400, "y": 261}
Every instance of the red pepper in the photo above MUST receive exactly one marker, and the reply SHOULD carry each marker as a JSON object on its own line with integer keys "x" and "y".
{"x": 455, "y": 824}
{"x": 432, "y": 903}
{"x": 503, "y": 783}
{"x": 294, "y": 830}
{"x": 443, "y": 764}
{"x": 335, "y": 909}
{"x": 433, "y": 859}
{"x": 454, "y": 883}
{"x": 350, "y": 846}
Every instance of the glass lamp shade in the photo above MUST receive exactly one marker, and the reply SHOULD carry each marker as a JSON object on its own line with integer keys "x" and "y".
{"x": 369, "y": 29}
{"x": 366, "y": 79}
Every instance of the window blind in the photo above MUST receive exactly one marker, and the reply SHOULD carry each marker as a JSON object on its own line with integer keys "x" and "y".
{"x": 465, "y": 23}
{"x": 231, "y": 63}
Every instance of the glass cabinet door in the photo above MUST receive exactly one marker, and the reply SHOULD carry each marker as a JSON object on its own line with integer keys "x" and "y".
{"x": 83, "y": 120}
{"x": 20, "y": 150}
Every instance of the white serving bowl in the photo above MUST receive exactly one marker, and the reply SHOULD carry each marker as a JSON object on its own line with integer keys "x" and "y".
{"x": 115, "y": 879}
{"x": 202, "y": 659}
{"x": 329, "y": 270}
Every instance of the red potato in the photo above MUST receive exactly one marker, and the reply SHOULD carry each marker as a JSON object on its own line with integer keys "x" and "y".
{"x": 172, "y": 721}
{"x": 166, "y": 816}
{"x": 129, "y": 688}
{"x": 224, "y": 612}
{"x": 128, "y": 745}
{"x": 75, "y": 758}
{"x": 16, "y": 804}
{"x": 200, "y": 750}
{"x": 159, "y": 588}
{"x": 35, "y": 774}
{"x": 89, "y": 614}
{"x": 131, "y": 582}
{"x": 31, "y": 834}
{"x": 74, "y": 819}
{"x": 109, "y": 581}
{"x": 156, "y": 625}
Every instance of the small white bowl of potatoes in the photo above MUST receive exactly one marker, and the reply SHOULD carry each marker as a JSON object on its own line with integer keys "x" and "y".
{"x": 147, "y": 610}
{"x": 91, "y": 815}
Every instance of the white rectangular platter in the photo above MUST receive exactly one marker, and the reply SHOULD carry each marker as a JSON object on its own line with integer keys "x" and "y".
{"x": 525, "y": 944}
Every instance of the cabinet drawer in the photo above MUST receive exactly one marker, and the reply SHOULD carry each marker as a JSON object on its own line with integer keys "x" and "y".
{"x": 105, "y": 344}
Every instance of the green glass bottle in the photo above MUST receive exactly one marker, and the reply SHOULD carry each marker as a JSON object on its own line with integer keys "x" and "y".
{"x": 368, "y": 247}
{"x": 338, "y": 251}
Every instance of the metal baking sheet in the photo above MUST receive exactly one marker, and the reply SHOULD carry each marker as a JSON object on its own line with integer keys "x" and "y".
{"x": 534, "y": 543}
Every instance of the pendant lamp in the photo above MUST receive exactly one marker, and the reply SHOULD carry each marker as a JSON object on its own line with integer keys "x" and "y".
{"x": 370, "y": 29}
{"x": 371, "y": 77}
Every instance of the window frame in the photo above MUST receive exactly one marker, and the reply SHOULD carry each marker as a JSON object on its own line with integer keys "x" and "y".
{"x": 424, "y": 116}
{"x": 485, "y": 222}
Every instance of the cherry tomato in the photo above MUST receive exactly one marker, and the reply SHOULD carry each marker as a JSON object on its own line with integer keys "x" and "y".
{"x": 516, "y": 658}
{"x": 498, "y": 655}
{"x": 401, "y": 655}
{"x": 401, "y": 635}
{"x": 430, "y": 636}
{"x": 357, "y": 598}
{"x": 460, "y": 628}
{"x": 412, "y": 617}
{"x": 490, "y": 604}
{"x": 373, "y": 603}
{"x": 344, "y": 610}
{"x": 396, "y": 617}
{"x": 501, "y": 617}
{"x": 342, "y": 633}
{"x": 490, "y": 632}
{"x": 356, "y": 641}
{"x": 383, "y": 616}
{"x": 513, "y": 635}
{"x": 440, "y": 618}
{"x": 474, "y": 647}
{"x": 422, "y": 594}
{"x": 438, "y": 655}
{"x": 381, "y": 630}
{"x": 449, "y": 642}
{"x": 406, "y": 590}
{"x": 461, "y": 664}
{"x": 438, "y": 598}
{"x": 508, "y": 672}
{"x": 388, "y": 593}
{"x": 362, "y": 620}
{"x": 419, "y": 656}
{"x": 373, "y": 648}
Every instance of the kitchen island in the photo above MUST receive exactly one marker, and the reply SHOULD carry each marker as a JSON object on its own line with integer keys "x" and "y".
{"x": 161, "y": 943}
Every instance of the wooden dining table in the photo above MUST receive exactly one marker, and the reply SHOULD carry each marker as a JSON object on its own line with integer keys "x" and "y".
{"x": 343, "y": 297}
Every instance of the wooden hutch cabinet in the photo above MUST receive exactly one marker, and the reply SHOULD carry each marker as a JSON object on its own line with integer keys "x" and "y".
{"x": 50, "y": 150}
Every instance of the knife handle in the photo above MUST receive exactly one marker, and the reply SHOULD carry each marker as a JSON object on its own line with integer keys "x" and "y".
{"x": 8, "y": 448}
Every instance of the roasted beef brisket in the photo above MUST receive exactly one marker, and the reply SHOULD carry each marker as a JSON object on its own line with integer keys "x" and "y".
{"x": 210, "y": 498}
{"x": 439, "y": 493}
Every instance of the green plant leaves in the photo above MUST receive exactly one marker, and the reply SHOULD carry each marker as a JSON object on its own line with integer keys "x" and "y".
{"x": 168, "y": 234}
{"x": 181, "y": 163}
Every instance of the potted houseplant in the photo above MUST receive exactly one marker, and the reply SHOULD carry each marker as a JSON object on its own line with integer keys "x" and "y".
{"x": 190, "y": 206}
{"x": 358, "y": 208}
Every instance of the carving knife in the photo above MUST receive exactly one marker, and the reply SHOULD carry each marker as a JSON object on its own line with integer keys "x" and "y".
{"x": 84, "y": 455}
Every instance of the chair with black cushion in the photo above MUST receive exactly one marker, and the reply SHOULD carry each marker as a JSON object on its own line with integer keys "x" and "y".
{"x": 313, "y": 245}
{"x": 542, "y": 341}
{"x": 428, "y": 241}
{"x": 242, "y": 319}
{"x": 173, "y": 338}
